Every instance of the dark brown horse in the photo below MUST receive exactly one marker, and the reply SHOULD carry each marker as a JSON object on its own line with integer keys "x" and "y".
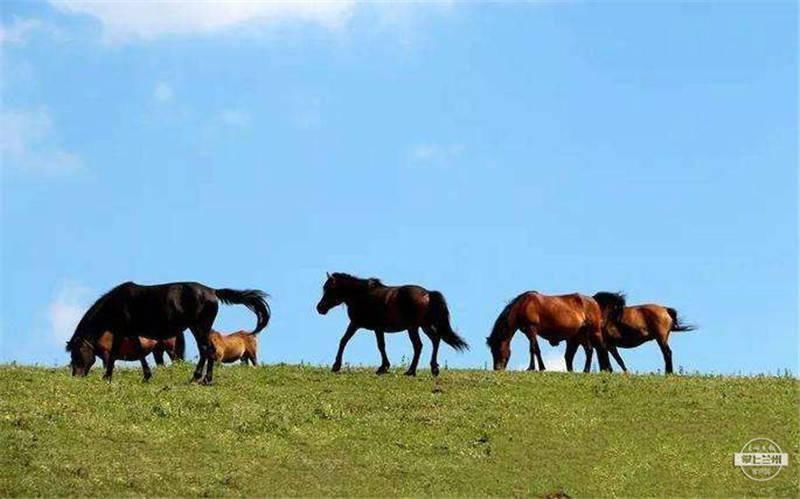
{"x": 241, "y": 345}
{"x": 139, "y": 348}
{"x": 639, "y": 324}
{"x": 158, "y": 312}
{"x": 389, "y": 309}
{"x": 575, "y": 318}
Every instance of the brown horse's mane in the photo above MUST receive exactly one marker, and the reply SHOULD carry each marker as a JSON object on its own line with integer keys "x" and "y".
{"x": 82, "y": 330}
{"x": 610, "y": 300}
{"x": 499, "y": 327}
{"x": 353, "y": 281}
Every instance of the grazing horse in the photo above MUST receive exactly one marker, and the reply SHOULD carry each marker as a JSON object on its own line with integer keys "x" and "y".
{"x": 158, "y": 312}
{"x": 138, "y": 349}
{"x": 389, "y": 309}
{"x": 575, "y": 318}
{"x": 241, "y": 345}
{"x": 639, "y": 324}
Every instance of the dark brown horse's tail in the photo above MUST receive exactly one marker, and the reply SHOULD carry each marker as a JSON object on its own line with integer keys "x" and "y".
{"x": 253, "y": 299}
{"x": 677, "y": 324}
{"x": 440, "y": 318}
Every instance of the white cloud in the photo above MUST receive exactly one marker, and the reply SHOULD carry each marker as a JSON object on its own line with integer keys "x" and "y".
{"x": 235, "y": 118}
{"x": 163, "y": 92}
{"x": 66, "y": 311}
{"x": 18, "y": 31}
{"x": 554, "y": 361}
{"x": 128, "y": 19}
{"x": 27, "y": 141}
{"x": 436, "y": 153}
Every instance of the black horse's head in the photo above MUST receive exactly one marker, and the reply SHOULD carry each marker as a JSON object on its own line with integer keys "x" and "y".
{"x": 611, "y": 304}
{"x": 332, "y": 295}
{"x": 81, "y": 356}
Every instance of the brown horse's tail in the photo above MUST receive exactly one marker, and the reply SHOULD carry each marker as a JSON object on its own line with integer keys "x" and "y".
{"x": 677, "y": 323}
{"x": 440, "y": 318}
{"x": 253, "y": 299}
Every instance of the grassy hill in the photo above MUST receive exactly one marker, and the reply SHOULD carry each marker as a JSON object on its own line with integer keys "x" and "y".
{"x": 294, "y": 430}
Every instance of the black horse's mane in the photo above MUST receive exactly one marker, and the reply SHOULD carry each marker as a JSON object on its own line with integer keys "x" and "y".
{"x": 613, "y": 300}
{"x": 351, "y": 279}
{"x": 501, "y": 319}
{"x": 91, "y": 315}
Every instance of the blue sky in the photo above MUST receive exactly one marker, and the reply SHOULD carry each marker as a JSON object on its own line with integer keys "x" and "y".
{"x": 477, "y": 149}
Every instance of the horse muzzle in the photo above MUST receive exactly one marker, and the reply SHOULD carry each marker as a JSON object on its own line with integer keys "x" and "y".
{"x": 322, "y": 308}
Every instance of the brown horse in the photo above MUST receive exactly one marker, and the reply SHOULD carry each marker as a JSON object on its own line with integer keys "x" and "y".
{"x": 389, "y": 309}
{"x": 575, "y": 318}
{"x": 241, "y": 345}
{"x": 138, "y": 348}
{"x": 639, "y": 324}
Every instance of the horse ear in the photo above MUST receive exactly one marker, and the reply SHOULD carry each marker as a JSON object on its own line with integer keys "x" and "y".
{"x": 328, "y": 274}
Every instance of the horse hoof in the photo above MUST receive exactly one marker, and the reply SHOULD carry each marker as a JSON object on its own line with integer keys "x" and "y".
{"x": 206, "y": 382}
{"x": 336, "y": 368}
{"x": 410, "y": 373}
{"x": 435, "y": 371}
{"x": 382, "y": 370}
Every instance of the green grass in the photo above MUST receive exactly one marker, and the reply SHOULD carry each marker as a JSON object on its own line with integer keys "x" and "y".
{"x": 294, "y": 430}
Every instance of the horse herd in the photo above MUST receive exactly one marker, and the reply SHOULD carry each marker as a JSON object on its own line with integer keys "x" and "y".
{"x": 130, "y": 321}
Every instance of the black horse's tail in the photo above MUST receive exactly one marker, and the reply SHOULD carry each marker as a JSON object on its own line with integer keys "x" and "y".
{"x": 253, "y": 299}
{"x": 440, "y": 317}
{"x": 677, "y": 324}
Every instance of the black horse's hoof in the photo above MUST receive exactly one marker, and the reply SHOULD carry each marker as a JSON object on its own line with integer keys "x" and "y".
{"x": 206, "y": 382}
{"x": 435, "y": 371}
{"x": 336, "y": 368}
{"x": 382, "y": 370}
{"x": 410, "y": 373}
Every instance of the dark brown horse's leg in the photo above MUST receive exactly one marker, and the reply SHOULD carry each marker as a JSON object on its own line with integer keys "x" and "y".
{"x": 253, "y": 360}
{"x": 666, "y": 351}
{"x": 536, "y": 354}
{"x": 158, "y": 354}
{"x": 569, "y": 354}
{"x": 351, "y": 330}
{"x": 413, "y": 333}
{"x": 384, "y": 368}
{"x": 435, "y": 340}
{"x": 614, "y": 353}
{"x": 116, "y": 342}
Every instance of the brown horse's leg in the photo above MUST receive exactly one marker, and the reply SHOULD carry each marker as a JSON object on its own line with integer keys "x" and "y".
{"x": 413, "y": 333}
{"x": 588, "y": 350}
{"x": 253, "y": 360}
{"x": 351, "y": 330}
{"x": 666, "y": 351}
{"x": 569, "y": 354}
{"x": 614, "y": 353}
{"x": 536, "y": 354}
{"x": 435, "y": 340}
{"x": 384, "y": 368}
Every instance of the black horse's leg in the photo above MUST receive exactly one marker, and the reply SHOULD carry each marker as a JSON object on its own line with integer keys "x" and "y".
{"x": 435, "y": 340}
{"x": 146, "y": 372}
{"x": 569, "y": 354}
{"x": 413, "y": 333}
{"x": 614, "y": 353}
{"x": 158, "y": 354}
{"x": 666, "y": 351}
{"x": 351, "y": 330}
{"x": 379, "y": 335}
{"x": 116, "y": 342}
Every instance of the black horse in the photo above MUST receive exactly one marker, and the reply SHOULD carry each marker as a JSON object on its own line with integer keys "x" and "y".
{"x": 389, "y": 309}
{"x": 159, "y": 312}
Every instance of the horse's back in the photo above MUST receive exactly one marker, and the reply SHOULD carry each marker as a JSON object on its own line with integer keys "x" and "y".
{"x": 649, "y": 316}
{"x": 570, "y": 311}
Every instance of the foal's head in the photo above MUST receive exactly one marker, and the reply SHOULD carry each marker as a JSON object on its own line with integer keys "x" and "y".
{"x": 82, "y": 356}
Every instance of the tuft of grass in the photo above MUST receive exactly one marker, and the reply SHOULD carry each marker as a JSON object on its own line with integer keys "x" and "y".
{"x": 302, "y": 431}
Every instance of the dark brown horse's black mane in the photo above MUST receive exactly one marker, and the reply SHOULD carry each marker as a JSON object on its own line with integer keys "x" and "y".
{"x": 82, "y": 330}
{"x": 498, "y": 328}
{"x": 353, "y": 281}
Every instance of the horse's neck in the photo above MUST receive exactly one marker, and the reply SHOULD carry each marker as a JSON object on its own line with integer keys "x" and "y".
{"x": 364, "y": 295}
